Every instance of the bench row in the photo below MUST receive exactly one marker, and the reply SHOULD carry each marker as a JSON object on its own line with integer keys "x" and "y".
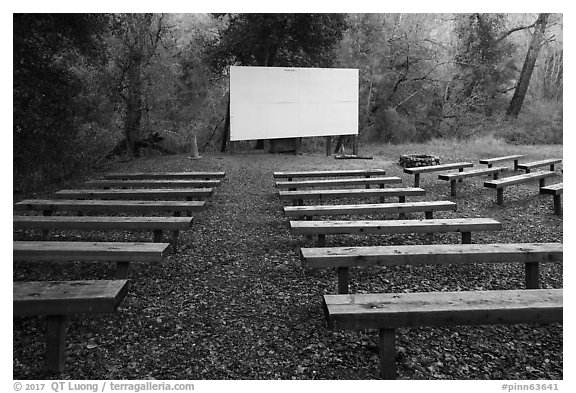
{"x": 386, "y": 312}
{"x": 343, "y": 258}
{"x": 57, "y": 300}
{"x": 123, "y": 253}
{"x": 155, "y": 224}
{"x": 463, "y": 225}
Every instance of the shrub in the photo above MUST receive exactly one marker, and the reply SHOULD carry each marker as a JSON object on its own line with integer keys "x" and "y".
{"x": 389, "y": 126}
{"x": 539, "y": 122}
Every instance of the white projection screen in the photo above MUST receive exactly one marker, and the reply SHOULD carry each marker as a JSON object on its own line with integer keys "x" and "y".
{"x": 277, "y": 102}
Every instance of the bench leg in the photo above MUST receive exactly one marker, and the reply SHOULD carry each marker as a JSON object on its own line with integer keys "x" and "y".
{"x": 294, "y": 201}
{"x": 46, "y": 213}
{"x": 500, "y": 196}
{"x": 460, "y": 170}
{"x": 416, "y": 180}
{"x": 343, "y": 280}
{"x": 176, "y": 214}
{"x": 387, "y": 353}
{"x": 368, "y": 185}
{"x": 157, "y": 236}
{"x": 532, "y": 275}
{"x": 453, "y": 188}
{"x": 382, "y": 199}
{"x": 558, "y": 205}
{"x": 402, "y": 199}
{"x": 466, "y": 237}
{"x": 321, "y": 242}
{"x": 55, "y": 342}
{"x": 496, "y": 176}
{"x": 527, "y": 170}
{"x": 515, "y": 165}
{"x": 542, "y": 183}
{"x": 122, "y": 270}
{"x": 189, "y": 213}
{"x": 429, "y": 215}
{"x": 551, "y": 167}
{"x": 489, "y": 165}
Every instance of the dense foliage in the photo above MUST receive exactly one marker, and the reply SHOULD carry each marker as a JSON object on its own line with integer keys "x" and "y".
{"x": 90, "y": 86}
{"x": 288, "y": 40}
{"x": 49, "y": 106}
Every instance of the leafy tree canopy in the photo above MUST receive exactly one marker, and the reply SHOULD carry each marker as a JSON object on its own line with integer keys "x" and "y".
{"x": 276, "y": 40}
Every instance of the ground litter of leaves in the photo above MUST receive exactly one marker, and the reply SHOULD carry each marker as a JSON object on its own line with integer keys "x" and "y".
{"x": 232, "y": 300}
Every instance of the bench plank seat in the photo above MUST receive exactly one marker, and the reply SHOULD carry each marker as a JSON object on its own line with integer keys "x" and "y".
{"x": 389, "y": 311}
{"x": 165, "y": 175}
{"x": 67, "y": 297}
{"x": 453, "y": 176}
{"x": 91, "y": 251}
{"x": 553, "y": 189}
{"x": 101, "y": 223}
{"x": 120, "y": 252}
{"x": 441, "y": 254}
{"x": 121, "y": 193}
{"x": 395, "y": 310}
{"x": 59, "y": 299}
{"x": 556, "y": 191}
{"x": 528, "y": 166}
{"x": 338, "y": 182}
{"x": 334, "y": 173}
{"x": 417, "y": 171}
{"x": 177, "y": 183}
{"x": 500, "y": 184}
{"x": 51, "y": 205}
{"x": 492, "y": 161}
{"x": 463, "y": 225}
{"x": 155, "y": 224}
{"x": 402, "y": 193}
{"x": 371, "y": 208}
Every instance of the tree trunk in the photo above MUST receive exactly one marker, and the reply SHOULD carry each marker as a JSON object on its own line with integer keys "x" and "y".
{"x": 528, "y": 68}
{"x": 226, "y": 134}
{"x": 133, "y": 105}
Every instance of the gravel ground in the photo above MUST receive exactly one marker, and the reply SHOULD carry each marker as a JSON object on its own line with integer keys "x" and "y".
{"x": 233, "y": 301}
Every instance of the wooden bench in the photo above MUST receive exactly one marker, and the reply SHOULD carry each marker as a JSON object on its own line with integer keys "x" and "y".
{"x": 112, "y": 193}
{"x": 389, "y": 311}
{"x": 48, "y": 206}
{"x": 428, "y": 207}
{"x": 380, "y": 181}
{"x": 177, "y": 183}
{"x": 492, "y": 161}
{"x": 342, "y": 258}
{"x": 401, "y": 193}
{"x": 435, "y": 168}
{"x": 57, "y": 300}
{"x": 166, "y": 175}
{"x": 464, "y": 225}
{"x": 556, "y": 191}
{"x": 335, "y": 173}
{"x": 528, "y": 166}
{"x": 454, "y": 176}
{"x": 155, "y": 224}
{"x": 500, "y": 184}
{"x": 120, "y": 252}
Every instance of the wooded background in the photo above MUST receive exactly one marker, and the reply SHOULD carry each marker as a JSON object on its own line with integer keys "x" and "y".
{"x": 88, "y": 87}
